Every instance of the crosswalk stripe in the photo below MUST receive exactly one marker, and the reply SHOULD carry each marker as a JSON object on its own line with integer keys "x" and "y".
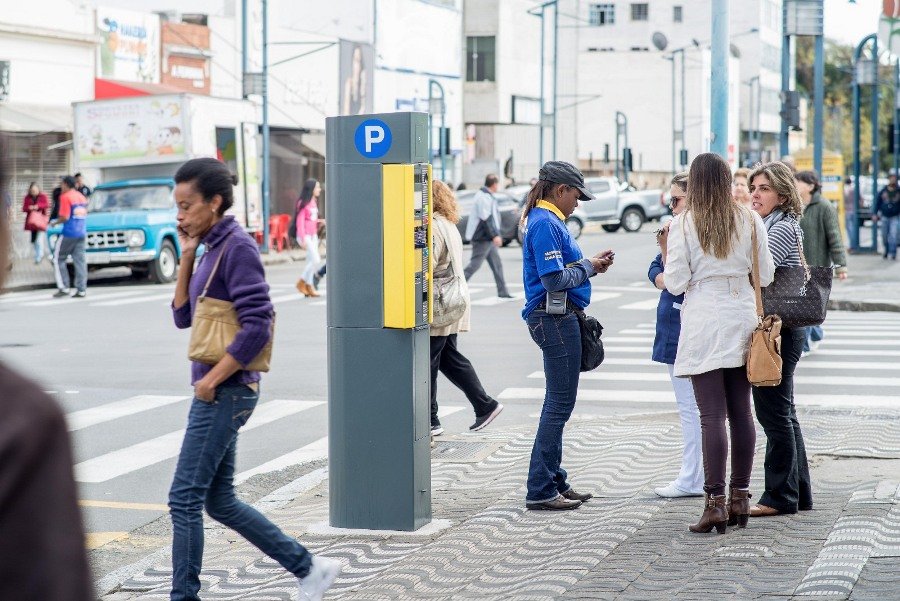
{"x": 658, "y": 396}
{"x": 597, "y": 297}
{"x": 803, "y": 365}
{"x": 496, "y": 300}
{"x": 643, "y": 305}
{"x": 664, "y": 377}
{"x": 859, "y": 342}
{"x": 91, "y": 296}
{"x": 19, "y": 297}
{"x": 318, "y": 449}
{"x": 877, "y": 353}
{"x": 629, "y": 339}
{"x": 85, "y": 418}
{"x": 132, "y": 301}
{"x": 831, "y": 332}
{"x": 149, "y": 452}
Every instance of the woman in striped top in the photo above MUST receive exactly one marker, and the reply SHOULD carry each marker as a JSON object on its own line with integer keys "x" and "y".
{"x": 788, "y": 489}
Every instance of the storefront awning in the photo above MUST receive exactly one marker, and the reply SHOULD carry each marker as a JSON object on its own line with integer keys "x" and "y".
{"x": 111, "y": 88}
{"x": 35, "y": 118}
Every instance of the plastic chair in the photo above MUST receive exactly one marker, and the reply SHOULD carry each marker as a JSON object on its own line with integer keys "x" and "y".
{"x": 276, "y": 238}
{"x": 284, "y": 222}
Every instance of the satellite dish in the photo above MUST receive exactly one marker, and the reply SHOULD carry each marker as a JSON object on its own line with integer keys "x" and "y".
{"x": 735, "y": 51}
{"x": 660, "y": 40}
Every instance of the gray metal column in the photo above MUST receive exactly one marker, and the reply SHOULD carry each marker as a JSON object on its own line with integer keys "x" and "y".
{"x": 378, "y": 377}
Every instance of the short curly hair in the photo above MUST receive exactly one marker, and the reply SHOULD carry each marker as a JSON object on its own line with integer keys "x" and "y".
{"x": 781, "y": 178}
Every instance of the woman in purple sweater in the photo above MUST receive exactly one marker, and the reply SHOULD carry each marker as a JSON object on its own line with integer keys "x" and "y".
{"x": 225, "y": 394}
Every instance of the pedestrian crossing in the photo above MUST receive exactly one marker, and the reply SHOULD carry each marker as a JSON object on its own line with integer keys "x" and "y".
{"x": 156, "y": 448}
{"x": 854, "y": 366}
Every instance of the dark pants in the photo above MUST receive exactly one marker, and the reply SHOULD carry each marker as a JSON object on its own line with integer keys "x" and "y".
{"x": 204, "y": 475}
{"x": 486, "y": 250}
{"x": 559, "y": 337}
{"x": 788, "y": 486}
{"x": 74, "y": 247}
{"x": 721, "y": 394}
{"x": 453, "y": 364}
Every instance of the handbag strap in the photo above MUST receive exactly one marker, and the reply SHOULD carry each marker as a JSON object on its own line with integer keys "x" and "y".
{"x": 450, "y": 270}
{"x": 755, "y": 271}
{"x": 215, "y": 268}
{"x": 802, "y": 258}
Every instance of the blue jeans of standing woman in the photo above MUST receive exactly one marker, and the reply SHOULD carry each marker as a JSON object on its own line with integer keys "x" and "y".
{"x": 204, "y": 476}
{"x": 559, "y": 337}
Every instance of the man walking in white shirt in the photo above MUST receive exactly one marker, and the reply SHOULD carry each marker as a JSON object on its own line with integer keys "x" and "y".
{"x": 483, "y": 230}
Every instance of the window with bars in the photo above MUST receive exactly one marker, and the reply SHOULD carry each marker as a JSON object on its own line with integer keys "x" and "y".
{"x": 480, "y": 58}
{"x": 640, "y": 12}
{"x": 677, "y": 14}
{"x": 603, "y": 14}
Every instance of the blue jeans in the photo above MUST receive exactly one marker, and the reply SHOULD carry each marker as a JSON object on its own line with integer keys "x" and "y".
{"x": 889, "y": 231}
{"x": 814, "y": 334}
{"x": 205, "y": 475}
{"x": 559, "y": 337}
{"x": 851, "y": 223}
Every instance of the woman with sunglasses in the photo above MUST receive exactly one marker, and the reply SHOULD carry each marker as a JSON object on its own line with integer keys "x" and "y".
{"x": 689, "y": 482}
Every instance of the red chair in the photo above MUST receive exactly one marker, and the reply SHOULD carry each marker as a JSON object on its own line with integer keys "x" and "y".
{"x": 285, "y": 223}
{"x": 276, "y": 239}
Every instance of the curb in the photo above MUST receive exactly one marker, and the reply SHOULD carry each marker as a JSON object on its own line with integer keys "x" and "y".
{"x": 851, "y": 305}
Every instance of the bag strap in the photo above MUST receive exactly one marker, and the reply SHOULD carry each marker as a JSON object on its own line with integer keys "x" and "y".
{"x": 755, "y": 270}
{"x": 441, "y": 227}
{"x": 215, "y": 268}
{"x": 802, "y": 257}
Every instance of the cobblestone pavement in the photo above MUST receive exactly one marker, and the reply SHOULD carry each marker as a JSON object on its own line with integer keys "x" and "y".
{"x": 626, "y": 544}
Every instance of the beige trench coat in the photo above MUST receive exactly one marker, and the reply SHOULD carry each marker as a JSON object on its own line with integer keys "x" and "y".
{"x": 447, "y": 246}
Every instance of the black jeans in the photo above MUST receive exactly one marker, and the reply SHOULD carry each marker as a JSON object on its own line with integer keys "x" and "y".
{"x": 482, "y": 250}
{"x": 453, "y": 364}
{"x": 788, "y": 486}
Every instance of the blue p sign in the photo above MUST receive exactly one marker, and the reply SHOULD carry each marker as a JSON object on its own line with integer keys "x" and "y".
{"x": 373, "y": 138}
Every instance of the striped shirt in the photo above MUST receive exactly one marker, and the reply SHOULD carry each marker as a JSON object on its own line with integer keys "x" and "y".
{"x": 784, "y": 239}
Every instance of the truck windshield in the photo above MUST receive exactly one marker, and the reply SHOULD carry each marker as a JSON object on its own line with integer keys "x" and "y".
{"x": 138, "y": 198}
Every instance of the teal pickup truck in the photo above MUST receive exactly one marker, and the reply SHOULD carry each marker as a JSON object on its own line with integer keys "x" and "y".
{"x": 132, "y": 223}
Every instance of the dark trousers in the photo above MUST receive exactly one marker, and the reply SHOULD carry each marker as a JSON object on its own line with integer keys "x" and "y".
{"x": 788, "y": 486}
{"x": 486, "y": 250}
{"x": 447, "y": 359}
{"x": 559, "y": 337}
{"x": 721, "y": 394}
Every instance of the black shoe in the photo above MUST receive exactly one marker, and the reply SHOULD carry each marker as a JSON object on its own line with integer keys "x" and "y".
{"x": 484, "y": 420}
{"x": 61, "y": 294}
{"x": 557, "y": 504}
{"x": 80, "y": 294}
{"x": 506, "y": 295}
{"x": 574, "y": 496}
{"x": 316, "y": 279}
{"x": 437, "y": 429}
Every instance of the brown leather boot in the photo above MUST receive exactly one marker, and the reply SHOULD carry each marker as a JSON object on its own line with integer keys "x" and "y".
{"x": 738, "y": 507}
{"x": 715, "y": 515}
{"x": 301, "y": 287}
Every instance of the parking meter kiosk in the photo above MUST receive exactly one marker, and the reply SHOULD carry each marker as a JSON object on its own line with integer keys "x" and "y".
{"x": 378, "y": 184}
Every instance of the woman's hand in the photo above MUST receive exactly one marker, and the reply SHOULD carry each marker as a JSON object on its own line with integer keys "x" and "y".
{"x": 602, "y": 261}
{"x": 188, "y": 243}
{"x": 842, "y": 275}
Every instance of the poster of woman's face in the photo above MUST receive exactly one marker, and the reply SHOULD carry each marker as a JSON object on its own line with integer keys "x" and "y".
{"x": 357, "y": 83}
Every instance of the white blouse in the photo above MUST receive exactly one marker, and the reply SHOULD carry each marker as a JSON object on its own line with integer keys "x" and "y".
{"x": 719, "y": 309}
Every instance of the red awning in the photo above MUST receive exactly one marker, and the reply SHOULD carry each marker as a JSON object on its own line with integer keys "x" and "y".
{"x": 110, "y": 88}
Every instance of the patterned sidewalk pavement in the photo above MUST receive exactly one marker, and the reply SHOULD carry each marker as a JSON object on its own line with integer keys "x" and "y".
{"x": 626, "y": 544}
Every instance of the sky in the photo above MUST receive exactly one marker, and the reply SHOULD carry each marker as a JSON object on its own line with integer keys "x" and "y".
{"x": 850, "y": 22}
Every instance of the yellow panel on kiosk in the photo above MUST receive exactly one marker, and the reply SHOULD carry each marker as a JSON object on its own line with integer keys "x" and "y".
{"x": 398, "y": 220}
{"x": 831, "y": 178}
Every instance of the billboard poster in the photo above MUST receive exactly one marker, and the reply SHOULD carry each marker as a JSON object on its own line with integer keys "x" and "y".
{"x": 130, "y": 131}
{"x": 357, "y": 78}
{"x": 129, "y": 45}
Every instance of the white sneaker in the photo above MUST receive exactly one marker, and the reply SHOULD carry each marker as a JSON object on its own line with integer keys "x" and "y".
{"x": 814, "y": 344}
{"x": 321, "y": 576}
{"x": 671, "y": 491}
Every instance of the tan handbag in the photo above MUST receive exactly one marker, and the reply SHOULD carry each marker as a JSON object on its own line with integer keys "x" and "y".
{"x": 764, "y": 356}
{"x": 215, "y": 326}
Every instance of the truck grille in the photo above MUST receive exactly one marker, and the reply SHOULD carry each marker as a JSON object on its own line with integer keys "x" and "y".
{"x": 104, "y": 240}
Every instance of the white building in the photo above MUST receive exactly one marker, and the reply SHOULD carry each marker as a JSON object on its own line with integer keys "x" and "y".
{"x": 47, "y": 53}
{"x": 502, "y": 89}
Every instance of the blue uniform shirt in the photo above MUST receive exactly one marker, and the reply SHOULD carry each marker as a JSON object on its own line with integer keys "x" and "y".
{"x": 668, "y": 319}
{"x": 547, "y": 248}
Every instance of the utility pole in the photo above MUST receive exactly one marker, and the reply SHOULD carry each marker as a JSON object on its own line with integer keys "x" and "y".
{"x": 266, "y": 184}
{"x": 819, "y": 92}
{"x": 785, "y": 80}
{"x": 719, "y": 79}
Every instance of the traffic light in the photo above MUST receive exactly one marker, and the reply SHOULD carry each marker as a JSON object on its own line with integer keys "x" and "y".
{"x": 790, "y": 109}
{"x": 626, "y": 159}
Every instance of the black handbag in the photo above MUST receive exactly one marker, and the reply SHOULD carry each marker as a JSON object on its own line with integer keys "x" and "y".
{"x": 799, "y": 295}
{"x": 591, "y": 345}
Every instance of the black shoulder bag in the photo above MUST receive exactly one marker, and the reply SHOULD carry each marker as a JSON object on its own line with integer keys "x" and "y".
{"x": 591, "y": 345}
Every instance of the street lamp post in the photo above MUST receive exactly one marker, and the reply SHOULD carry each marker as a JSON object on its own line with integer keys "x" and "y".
{"x": 621, "y": 130}
{"x": 857, "y": 54}
{"x": 719, "y": 79}
{"x": 432, "y": 100}
{"x": 540, "y": 11}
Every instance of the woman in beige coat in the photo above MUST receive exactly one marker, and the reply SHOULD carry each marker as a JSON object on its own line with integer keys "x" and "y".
{"x": 708, "y": 256}
{"x": 447, "y": 250}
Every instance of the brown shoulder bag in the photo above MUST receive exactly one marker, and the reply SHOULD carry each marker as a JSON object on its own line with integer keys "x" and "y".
{"x": 764, "y": 355}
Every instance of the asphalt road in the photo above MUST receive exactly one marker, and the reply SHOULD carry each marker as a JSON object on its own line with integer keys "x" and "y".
{"x": 118, "y": 367}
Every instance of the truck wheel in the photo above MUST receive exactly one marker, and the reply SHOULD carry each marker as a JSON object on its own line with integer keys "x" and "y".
{"x": 632, "y": 219}
{"x": 164, "y": 268}
{"x": 574, "y": 225}
{"x": 611, "y": 227}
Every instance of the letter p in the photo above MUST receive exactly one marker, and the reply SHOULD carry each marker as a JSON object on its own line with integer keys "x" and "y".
{"x": 374, "y": 134}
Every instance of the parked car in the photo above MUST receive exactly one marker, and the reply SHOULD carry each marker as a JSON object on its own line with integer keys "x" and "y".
{"x": 575, "y": 223}
{"x": 617, "y": 205}
{"x": 507, "y": 206}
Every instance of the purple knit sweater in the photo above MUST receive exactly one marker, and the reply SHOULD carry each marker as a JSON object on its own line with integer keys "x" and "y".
{"x": 241, "y": 280}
